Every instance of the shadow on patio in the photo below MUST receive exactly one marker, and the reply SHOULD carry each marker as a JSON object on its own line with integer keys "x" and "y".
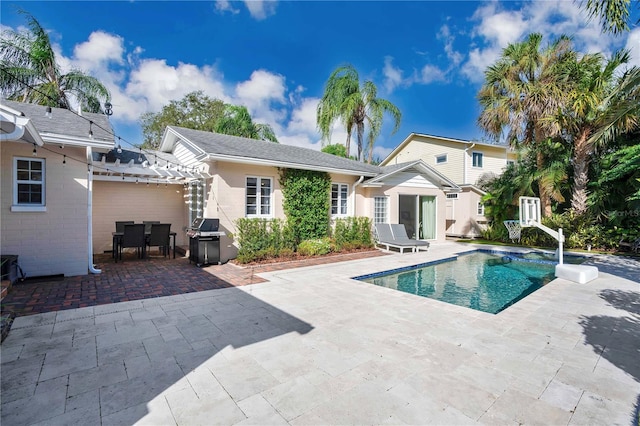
{"x": 151, "y": 357}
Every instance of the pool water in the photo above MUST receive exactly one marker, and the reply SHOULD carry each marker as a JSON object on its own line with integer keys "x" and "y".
{"x": 483, "y": 281}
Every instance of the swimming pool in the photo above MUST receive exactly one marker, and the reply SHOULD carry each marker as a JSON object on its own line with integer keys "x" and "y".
{"x": 485, "y": 281}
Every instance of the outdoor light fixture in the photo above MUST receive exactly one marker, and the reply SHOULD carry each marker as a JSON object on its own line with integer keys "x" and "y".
{"x": 34, "y": 150}
{"x": 108, "y": 111}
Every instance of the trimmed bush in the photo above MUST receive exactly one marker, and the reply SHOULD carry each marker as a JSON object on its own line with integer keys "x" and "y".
{"x": 352, "y": 233}
{"x": 315, "y": 247}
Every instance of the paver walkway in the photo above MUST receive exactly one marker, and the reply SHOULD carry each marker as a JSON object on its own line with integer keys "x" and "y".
{"x": 312, "y": 346}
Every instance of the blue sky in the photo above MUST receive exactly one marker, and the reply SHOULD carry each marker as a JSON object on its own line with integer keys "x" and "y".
{"x": 427, "y": 57}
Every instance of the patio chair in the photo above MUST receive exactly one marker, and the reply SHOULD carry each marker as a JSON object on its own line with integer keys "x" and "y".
{"x": 634, "y": 246}
{"x": 120, "y": 225}
{"x": 159, "y": 237}
{"x": 133, "y": 237}
{"x": 147, "y": 225}
{"x": 115, "y": 244}
{"x": 400, "y": 234}
{"x": 384, "y": 237}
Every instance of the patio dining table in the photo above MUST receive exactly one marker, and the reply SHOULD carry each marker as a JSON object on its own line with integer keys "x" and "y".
{"x": 117, "y": 236}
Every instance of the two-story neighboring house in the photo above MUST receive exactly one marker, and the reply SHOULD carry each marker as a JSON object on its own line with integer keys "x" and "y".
{"x": 464, "y": 162}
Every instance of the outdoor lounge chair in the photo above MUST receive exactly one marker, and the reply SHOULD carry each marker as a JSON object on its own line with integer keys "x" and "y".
{"x": 400, "y": 235}
{"x": 385, "y": 237}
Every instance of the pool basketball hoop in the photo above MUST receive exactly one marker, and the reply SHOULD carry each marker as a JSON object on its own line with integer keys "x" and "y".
{"x": 529, "y": 211}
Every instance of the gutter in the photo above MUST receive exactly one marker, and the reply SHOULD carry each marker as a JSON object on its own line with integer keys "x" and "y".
{"x": 464, "y": 163}
{"x": 92, "y": 268}
{"x": 358, "y": 182}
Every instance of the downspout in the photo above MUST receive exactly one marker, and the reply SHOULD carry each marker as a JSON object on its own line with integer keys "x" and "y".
{"x": 92, "y": 268}
{"x": 464, "y": 163}
{"x": 358, "y": 182}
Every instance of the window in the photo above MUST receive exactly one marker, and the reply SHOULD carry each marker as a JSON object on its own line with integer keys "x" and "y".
{"x": 453, "y": 196}
{"x": 480, "y": 209}
{"x": 477, "y": 159}
{"x": 441, "y": 159}
{"x": 339, "y": 192}
{"x": 380, "y": 210}
{"x": 258, "y": 201}
{"x": 28, "y": 184}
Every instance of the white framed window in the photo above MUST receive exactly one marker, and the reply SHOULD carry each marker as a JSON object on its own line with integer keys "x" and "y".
{"x": 441, "y": 159}
{"x": 339, "y": 196}
{"x": 452, "y": 196}
{"x": 480, "y": 209}
{"x": 259, "y": 196}
{"x": 380, "y": 209}
{"x": 28, "y": 184}
{"x": 477, "y": 159}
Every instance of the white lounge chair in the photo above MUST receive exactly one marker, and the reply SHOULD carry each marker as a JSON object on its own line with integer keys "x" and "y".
{"x": 385, "y": 237}
{"x": 400, "y": 235}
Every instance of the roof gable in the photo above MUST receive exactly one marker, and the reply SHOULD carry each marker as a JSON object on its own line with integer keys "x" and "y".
{"x": 435, "y": 177}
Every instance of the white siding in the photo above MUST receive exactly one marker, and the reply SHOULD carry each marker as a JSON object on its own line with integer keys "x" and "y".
{"x": 411, "y": 179}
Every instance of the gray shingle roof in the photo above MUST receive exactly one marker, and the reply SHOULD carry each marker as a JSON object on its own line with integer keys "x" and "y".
{"x": 64, "y": 122}
{"x": 288, "y": 155}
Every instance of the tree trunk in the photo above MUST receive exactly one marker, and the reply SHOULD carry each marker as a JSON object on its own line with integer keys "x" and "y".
{"x": 360, "y": 130}
{"x": 347, "y": 145}
{"x": 580, "y": 172}
{"x": 545, "y": 198}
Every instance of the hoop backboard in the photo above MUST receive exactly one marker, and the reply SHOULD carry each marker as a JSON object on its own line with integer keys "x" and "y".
{"x": 529, "y": 211}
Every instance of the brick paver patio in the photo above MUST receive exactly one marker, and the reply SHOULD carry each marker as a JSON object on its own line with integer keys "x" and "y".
{"x": 136, "y": 279}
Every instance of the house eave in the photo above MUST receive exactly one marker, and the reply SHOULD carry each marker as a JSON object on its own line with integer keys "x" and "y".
{"x": 57, "y": 139}
{"x": 284, "y": 164}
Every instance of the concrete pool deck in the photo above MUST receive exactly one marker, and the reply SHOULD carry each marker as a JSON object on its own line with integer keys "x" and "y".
{"x": 312, "y": 346}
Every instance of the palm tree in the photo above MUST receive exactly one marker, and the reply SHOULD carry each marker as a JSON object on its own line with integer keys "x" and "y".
{"x": 237, "y": 121}
{"x": 522, "y": 88}
{"x": 356, "y": 106}
{"x": 30, "y": 73}
{"x": 586, "y": 111}
{"x": 613, "y": 14}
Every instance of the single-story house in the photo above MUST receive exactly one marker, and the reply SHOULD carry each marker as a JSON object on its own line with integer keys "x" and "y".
{"x": 87, "y": 183}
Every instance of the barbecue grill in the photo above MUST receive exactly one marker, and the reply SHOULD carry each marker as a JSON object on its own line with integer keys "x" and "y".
{"x": 204, "y": 241}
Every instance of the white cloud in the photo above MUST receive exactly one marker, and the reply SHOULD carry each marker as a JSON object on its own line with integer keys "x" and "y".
{"x": 100, "y": 49}
{"x": 633, "y": 45}
{"x": 431, "y": 73}
{"x": 261, "y": 9}
{"x": 225, "y": 6}
{"x": 495, "y": 28}
{"x": 454, "y": 56}
{"x": 263, "y": 95}
{"x": 392, "y": 74}
{"x": 258, "y": 9}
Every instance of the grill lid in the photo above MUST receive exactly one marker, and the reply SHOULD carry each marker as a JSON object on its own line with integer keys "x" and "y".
{"x": 205, "y": 224}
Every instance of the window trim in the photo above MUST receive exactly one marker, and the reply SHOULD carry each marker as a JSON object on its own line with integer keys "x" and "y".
{"x": 259, "y": 197}
{"x": 340, "y": 185}
{"x": 24, "y": 207}
{"x": 386, "y": 208}
{"x": 446, "y": 159}
{"x": 481, "y": 154}
{"x": 480, "y": 209}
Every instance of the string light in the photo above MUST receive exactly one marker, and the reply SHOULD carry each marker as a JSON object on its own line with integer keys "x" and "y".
{"x": 64, "y": 160}
{"x": 123, "y": 176}
{"x": 119, "y": 146}
{"x": 91, "y": 129}
{"x": 35, "y": 152}
{"x": 136, "y": 180}
{"x": 48, "y": 114}
{"x": 140, "y": 156}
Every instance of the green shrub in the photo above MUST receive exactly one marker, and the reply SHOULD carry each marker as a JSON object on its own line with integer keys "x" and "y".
{"x": 352, "y": 233}
{"x": 315, "y": 247}
{"x": 261, "y": 239}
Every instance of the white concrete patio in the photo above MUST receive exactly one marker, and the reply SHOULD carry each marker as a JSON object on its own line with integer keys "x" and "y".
{"x": 313, "y": 346}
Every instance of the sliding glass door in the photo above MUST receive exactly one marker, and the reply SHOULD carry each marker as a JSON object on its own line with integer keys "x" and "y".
{"x": 418, "y": 215}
